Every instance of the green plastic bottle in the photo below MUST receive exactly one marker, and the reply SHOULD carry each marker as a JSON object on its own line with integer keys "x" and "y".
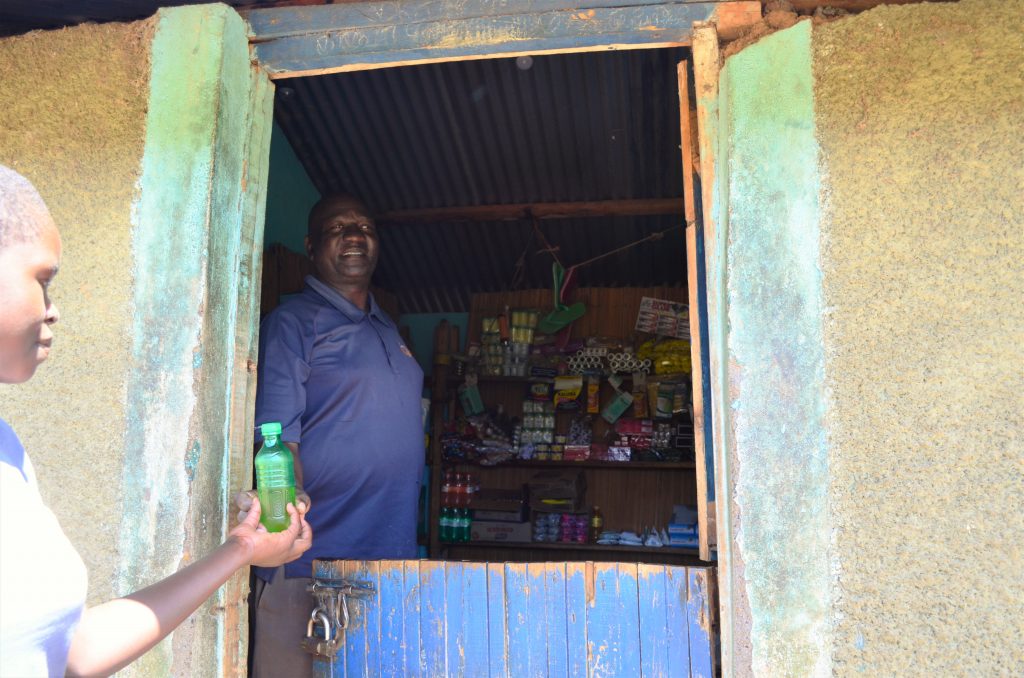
{"x": 275, "y": 478}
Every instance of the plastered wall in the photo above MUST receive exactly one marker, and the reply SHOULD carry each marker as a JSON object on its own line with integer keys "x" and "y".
{"x": 778, "y": 591}
{"x": 919, "y": 115}
{"x": 72, "y": 119}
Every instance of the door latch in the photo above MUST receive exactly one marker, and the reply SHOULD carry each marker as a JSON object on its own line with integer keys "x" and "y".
{"x": 331, "y": 615}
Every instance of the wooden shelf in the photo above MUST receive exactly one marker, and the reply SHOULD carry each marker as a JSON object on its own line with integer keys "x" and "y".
{"x": 561, "y": 546}
{"x": 485, "y": 379}
{"x": 590, "y": 463}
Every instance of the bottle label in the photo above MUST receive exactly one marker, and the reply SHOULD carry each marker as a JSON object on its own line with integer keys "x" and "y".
{"x": 278, "y": 497}
{"x": 273, "y": 477}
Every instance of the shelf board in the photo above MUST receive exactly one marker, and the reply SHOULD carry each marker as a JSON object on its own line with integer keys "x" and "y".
{"x": 589, "y": 463}
{"x": 560, "y": 546}
{"x": 651, "y": 378}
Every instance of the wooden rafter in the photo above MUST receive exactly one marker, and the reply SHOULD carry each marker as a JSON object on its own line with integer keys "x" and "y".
{"x": 549, "y": 210}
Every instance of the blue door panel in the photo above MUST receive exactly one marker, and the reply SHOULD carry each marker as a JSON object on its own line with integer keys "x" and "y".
{"x": 521, "y": 620}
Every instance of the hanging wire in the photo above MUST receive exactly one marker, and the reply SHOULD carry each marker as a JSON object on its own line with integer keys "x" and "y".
{"x": 519, "y": 272}
{"x": 653, "y": 236}
{"x": 548, "y": 248}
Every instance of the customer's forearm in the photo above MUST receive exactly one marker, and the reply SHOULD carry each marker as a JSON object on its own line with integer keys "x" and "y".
{"x": 114, "y": 634}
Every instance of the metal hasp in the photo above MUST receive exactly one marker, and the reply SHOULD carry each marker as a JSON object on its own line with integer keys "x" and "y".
{"x": 331, "y": 613}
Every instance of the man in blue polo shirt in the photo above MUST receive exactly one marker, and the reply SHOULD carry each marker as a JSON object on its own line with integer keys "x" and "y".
{"x": 335, "y": 372}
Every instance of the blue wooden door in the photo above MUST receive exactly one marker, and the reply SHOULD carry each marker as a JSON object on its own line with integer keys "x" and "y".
{"x": 588, "y": 620}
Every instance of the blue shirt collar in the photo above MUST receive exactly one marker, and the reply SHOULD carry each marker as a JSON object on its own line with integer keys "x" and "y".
{"x": 347, "y": 308}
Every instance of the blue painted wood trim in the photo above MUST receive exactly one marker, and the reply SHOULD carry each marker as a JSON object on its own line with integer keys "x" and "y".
{"x": 698, "y": 623}
{"x": 705, "y": 341}
{"x": 653, "y": 623}
{"x": 576, "y": 578}
{"x": 392, "y": 616}
{"x": 536, "y": 619}
{"x": 329, "y": 38}
{"x": 433, "y": 626}
{"x": 497, "y": 636}
{"x": 278, "y": 22}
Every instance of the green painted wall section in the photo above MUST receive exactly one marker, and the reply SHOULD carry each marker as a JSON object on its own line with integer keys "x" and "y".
{"x": 421, "y": 330}
{"x": 920, "y": 114}
{"x": 194, "y": 267}
{"x": 79, "y": 138}
{"x": 773, "y": 350}
{"x": 290, "y": 196}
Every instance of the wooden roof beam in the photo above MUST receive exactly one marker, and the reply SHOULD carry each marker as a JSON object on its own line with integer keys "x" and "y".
{"x": 548, "y": 210}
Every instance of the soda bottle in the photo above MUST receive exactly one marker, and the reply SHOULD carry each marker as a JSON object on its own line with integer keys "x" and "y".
{"x": 275, "y": 478}
{"x": 454, "y": 525}
{"x": 459, "y": 491}
{"x": 446, "y": 489}
{"x": 463, "y": 535}
{"x": 444, "y": 531}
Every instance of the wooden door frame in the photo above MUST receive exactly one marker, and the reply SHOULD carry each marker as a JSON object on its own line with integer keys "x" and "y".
{"x": 301, "y": 41}
{"x": 290, "y": 42}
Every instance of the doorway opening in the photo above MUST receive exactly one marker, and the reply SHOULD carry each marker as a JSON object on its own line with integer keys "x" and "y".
{"x": 483, "y": 176}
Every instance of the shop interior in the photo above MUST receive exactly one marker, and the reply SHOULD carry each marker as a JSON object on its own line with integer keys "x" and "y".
{"x": 533, "y": 252}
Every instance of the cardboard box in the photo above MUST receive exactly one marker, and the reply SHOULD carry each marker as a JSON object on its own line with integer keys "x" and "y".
{"x": 516, "y": 516}
{"x": 486, "y": 530}
{"x": 574, "y": 505}
{"x": 557, "y": 485}
{"x": 498, "y": 500}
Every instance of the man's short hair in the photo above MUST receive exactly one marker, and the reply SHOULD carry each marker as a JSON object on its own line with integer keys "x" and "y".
{"x": 321, "y": 209}
{"x": 21, "y": 209}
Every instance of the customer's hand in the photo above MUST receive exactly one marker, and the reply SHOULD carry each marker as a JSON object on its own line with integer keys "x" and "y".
{"x": 270, "y": 549}
{"x": 243, "y": 500}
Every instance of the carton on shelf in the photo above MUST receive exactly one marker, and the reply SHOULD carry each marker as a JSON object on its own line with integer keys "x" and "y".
{"x": 486, "y": 530}
{"x": 498, "y": 500}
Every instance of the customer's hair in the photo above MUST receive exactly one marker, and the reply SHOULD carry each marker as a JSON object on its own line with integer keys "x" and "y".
{"x": 21, "y": 207}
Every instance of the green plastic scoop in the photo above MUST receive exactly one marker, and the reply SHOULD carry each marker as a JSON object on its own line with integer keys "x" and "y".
{"x": 562, "y": 314}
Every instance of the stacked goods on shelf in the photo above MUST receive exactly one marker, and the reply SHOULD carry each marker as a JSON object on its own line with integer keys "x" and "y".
{"x": 538, "y": 424}
{"x": 567, "y": 528}
{"x": 607, "y": 399}
{"x": 505, "y": 349}
{"x": 457, "y": 493}
{"x": 491, "y": 351}
{"x": 499, "y": 515}
{"x": 682, "y": 531}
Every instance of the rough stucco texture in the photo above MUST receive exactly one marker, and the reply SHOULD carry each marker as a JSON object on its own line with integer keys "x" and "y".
{"x": 73, "y": 122}
{"x": 919, "y": 114}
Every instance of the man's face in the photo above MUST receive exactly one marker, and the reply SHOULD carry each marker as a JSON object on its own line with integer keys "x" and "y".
{"x": 344, "y": 247}
{"x": 26, "y": 270}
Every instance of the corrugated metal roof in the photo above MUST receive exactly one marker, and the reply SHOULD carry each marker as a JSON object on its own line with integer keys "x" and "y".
{"x": 576, "y": 127}
{"x": 434, "y": 268}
